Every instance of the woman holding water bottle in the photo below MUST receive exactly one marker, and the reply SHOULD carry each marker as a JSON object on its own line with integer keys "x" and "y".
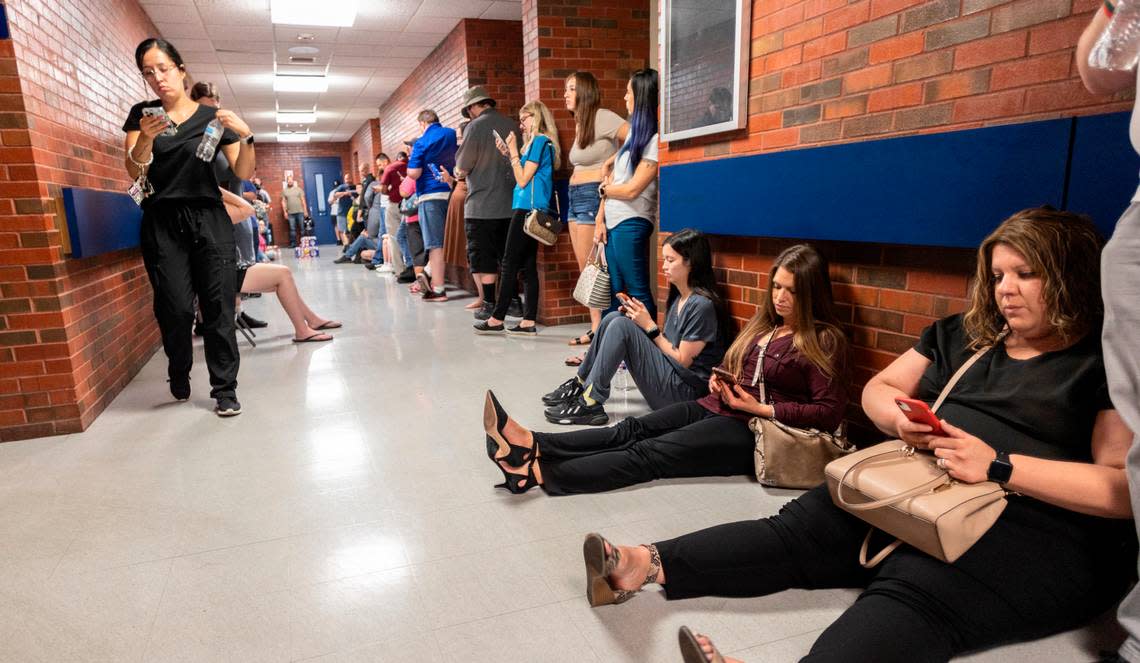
{"x": 186, "y": 238}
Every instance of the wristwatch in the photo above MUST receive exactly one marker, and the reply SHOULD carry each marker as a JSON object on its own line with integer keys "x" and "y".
{"x": 653, "y": 332}
{"x": 1000, "y": 468}
{"x": 248, "y": 140}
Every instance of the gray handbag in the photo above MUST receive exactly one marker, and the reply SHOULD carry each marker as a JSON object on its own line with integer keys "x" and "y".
{"x": 593, "y": 288}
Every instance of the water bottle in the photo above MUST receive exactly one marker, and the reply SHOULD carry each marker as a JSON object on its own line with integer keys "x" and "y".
{"x": 1119, "y": 45}
{"x": 210, "y": 139}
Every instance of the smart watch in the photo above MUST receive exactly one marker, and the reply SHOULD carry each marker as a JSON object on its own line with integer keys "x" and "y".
{"x": 248, "y": 140}
{"x": 1000, "y": 468}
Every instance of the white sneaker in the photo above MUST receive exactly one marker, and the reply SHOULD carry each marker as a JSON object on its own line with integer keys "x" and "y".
{"x": 385, "y": 269}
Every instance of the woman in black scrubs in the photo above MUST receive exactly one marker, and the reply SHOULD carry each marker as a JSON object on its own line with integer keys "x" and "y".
{"x": 187, "y": 239}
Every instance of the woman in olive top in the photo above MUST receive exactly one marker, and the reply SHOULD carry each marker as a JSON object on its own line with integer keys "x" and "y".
{"x": 598, "y": 132}
{"x": 186, "y": 237}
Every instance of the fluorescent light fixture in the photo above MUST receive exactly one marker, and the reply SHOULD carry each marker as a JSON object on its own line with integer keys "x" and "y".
{"x": 326, "y": 13}
{"x": 283, "y": 83}
{"x": 293, "y": 137}
{"x": 296, "y": 117}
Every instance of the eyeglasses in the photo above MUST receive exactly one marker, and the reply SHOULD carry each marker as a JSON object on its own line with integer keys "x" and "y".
{"x": 159, "y": 70}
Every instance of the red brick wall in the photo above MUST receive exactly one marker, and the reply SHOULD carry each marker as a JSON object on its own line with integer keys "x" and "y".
{"x": 494, "y": 60}
{"x": 273, "y": 159}
{"x": 364, "y": 145}
{"x": 74, "y": 331}
{"x": 609, "y": 38}
{"x": 829, "y": 71}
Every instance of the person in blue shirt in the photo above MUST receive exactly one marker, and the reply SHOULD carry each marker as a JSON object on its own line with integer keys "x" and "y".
{"x": 433, "y": 150}
{"x": 341, "y": 200}
{"x": 533, "y": 166}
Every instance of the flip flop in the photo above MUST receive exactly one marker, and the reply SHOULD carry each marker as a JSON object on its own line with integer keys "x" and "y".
{"x": 574, "y": 360}
{"x": 328, "y": 324}
{"x": 691, "y": 651}
{"x": 577, "y": 340}
{"x": 313, "y": 338}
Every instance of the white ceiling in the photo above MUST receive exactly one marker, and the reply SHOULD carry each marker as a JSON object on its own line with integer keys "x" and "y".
{"x": 233, "y": 44}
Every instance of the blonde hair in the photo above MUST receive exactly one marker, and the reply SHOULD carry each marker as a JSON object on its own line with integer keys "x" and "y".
{"x": 543, "y": 125}
{"x": 1064, "y": 250}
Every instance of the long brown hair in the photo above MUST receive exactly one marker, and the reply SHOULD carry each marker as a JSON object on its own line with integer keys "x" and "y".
{"x": 587, "y": 100}
{"x": 817, "y": 334}
{"x": 1064, "y": 250}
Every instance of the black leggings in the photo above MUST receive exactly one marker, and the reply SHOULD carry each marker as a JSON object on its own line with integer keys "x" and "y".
{"x": 680, "y": 440}
{"x": 1038, "y": 571}
{"x": 521, "y": 254}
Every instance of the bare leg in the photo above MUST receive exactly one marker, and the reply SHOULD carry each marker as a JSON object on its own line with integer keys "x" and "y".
{"x": 478, "y": 303}
{"x": 435, "y": 262}
{"x": 582, "y": 239}
{"x": 278, "y": 279}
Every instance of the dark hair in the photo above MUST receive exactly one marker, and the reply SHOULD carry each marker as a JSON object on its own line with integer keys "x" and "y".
{"x": 203, "y": 89}
{"x": 643, "y": 119}
{"x": 383, "y": 156}
{"x": 162, "y": 45}
{"x": 693, "y": 246}
{"x": 428, "y": 116}
{"x": 401, "y": 155}
{"x": 587, "y": 100}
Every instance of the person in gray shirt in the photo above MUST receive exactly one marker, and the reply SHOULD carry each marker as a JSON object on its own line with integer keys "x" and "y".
{"x": 490, "y": 185}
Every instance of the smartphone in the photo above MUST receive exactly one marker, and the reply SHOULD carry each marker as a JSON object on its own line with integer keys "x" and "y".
{"x": 723, "y": 375}
{"x": 435, "y": 171}
{"x": 159, "y": 111}
{"x": 920, "y": 413}
{"x": 497, "y": 136}
{"x": 622, "y": 297}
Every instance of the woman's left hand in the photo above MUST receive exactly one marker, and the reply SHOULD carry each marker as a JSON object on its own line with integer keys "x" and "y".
{"x": 967, "y": 457}
{"x": 738, "y": 399}
{"x": 636, "y": 311}
{"x": 231, "y": 121}
{"x": 512, "y": 145}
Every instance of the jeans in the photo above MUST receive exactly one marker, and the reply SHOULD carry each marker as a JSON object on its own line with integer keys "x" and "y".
{"x": 402, "y": 241}
{"x": 359, "y": 244}
{"x": 393, "y": 223}
{"x": 584, "y": 203}
{"x": 296, "y": 223}
{"x": 433, "y": 220}
{"x": 627, "y": 253}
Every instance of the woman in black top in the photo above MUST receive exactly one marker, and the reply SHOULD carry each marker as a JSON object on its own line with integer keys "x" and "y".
{"x": 187, "y": 240}
{"x": 1033, "y": 414}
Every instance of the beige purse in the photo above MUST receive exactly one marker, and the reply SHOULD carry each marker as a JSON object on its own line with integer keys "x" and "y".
{"x": 902, "y": 491}
{"x": 593, "y": 287}
{"x": 789, "y": 457}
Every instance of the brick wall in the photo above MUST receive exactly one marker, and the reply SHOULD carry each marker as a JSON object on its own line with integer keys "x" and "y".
{"x": 702, "y": 60}
{"x": 494, "y": 60}
{"x": 363, "y": 146}
{"x": 829, "y": 71}
{"x": 609, "y": 38}
{"x": 74, "y": 331}
{"x": 273, "y": 159}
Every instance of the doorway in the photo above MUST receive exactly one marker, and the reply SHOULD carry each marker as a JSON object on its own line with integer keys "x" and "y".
{"x": 319, "y": 173}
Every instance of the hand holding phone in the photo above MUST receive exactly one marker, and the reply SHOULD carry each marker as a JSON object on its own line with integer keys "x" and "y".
{"x": 920, "y": 413}
{"x": 160, "y": 112}
{"x": 724, "y": 376}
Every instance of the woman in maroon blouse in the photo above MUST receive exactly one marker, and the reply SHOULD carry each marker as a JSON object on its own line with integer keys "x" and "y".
{"x": 803, "y": 375}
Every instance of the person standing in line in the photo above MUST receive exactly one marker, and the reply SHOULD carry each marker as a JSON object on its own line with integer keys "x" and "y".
{"x": 630, "y": 194}
{"x": 533, "y": 168}
{"x": 186, "y": 237}
{"x": 598, "y": 132}
{"x": 1120, "y": 284}
{"x": 490, "y": 187}
{"x": 377, "y": 206}
{"x": 390, "y": 181}
{"x": 434, "y": 149}
{"x": 295, "y": 209}
{"x": 341, "y": 198}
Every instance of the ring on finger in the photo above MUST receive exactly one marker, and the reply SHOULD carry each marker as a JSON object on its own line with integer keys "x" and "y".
{"x": 941, "y": 463}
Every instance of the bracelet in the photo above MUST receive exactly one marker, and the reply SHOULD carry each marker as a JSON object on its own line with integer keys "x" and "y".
{"x": 1109, "y": 8}
{"x": 653, "y": 333}
{"x": 131, "y": 156}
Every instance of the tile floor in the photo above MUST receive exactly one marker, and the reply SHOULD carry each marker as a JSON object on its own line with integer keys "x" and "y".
{"x": 349, "y": 514}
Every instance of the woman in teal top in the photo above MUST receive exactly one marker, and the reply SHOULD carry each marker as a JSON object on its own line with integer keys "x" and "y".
{"x": 533, "y": 167}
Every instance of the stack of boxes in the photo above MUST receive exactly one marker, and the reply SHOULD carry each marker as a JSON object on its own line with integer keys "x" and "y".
{"x": 308, "y": 248}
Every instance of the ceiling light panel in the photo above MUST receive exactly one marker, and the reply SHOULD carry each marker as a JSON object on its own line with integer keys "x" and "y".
{"x": 293, "y": 137}
{"x": 318, "y": 84}
{"x": 331, "y": 13}
{"x": 296, "y": 117}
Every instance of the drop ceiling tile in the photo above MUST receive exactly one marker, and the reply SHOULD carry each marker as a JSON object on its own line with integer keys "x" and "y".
{"x": 244, "y": 46}
{"x": 241, "y": 32}
{"x": 198, "y": 56}
{"x": 453, "y": 8}
{"x": 288, "y": 33}
{"x": 432, "y": 24}
{"x": 504, "y": 11}
{"x": 420, "y": 38}
{"x": 358, "y": 36}
{"x": 176, "y": 31}
{"x": 166, "y": 13}
{"x": 355, "y": 61}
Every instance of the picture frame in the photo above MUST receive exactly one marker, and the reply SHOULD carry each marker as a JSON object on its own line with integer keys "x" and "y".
{"x": 705, "y": 67}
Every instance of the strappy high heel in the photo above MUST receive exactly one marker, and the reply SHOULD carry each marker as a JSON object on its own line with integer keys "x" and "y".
{"x": 518, "y": 483}
{"x": 494, "y": 421}
{"x": 600, "y": 565}
{"x": 691, "y": 651}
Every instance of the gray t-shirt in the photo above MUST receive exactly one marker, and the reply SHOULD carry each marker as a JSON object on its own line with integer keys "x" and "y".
{"x": 645, "y": 204}
{"x": 695, "y": 322}
{"x": 490, "y": 182}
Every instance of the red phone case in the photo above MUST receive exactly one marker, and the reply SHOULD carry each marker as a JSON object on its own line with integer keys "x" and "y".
{"x": 920, "y": 413}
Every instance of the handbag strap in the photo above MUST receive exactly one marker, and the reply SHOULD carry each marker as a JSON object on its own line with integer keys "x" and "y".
{"x": 882, "y": 554}
{"x": 895, "y": 499}
{"x": 758, "y": 378}
{"x": 962, "y": 371}
{"x": 541, "y": 153}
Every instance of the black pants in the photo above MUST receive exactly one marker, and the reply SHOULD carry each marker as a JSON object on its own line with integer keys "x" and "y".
{"x": 681, "y": 440}
{"x": 188, "y": 250}
{"x": 416, "y": 244}
{"x": 521, "y": 253}
{"x": 1037, "y": 571}
{"x": 486, "y": 242}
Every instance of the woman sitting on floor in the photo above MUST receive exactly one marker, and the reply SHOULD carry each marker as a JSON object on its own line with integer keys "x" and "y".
{"x": 1032, "y": 414}
{"x": 802, "y": 372}
{"x": 669, "y": 366}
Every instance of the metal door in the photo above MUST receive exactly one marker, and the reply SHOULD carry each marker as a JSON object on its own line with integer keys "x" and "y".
{"x": 319, "y": 173}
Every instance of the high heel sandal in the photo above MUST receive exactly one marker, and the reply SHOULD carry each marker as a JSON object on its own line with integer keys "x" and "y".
{"x": 600, "y": 565}
{"x": 512, "y": 481}
{"x": 494, "y": 420}
{"x": 691, "y": 651}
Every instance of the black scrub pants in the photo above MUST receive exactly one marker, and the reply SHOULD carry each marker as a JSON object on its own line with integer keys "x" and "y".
{"x": 1038, "y": 571}
{"x": 188, "y": 249}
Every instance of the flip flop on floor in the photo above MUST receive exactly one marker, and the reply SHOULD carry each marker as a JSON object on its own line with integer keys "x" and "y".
{"x": 577, "y": 340}
{"x": 691, "y": 650}
{"x": 328, "y": 324}
{"x": 574, "y": 360}
{"x": 314, "y": 338}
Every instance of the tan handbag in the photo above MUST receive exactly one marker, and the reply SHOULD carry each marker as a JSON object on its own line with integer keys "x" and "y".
{"x": 786, "y": 456}
{"x": 539, "y": 224}
{"x": 902, "y": 491}
{"x": 593, "y": 287}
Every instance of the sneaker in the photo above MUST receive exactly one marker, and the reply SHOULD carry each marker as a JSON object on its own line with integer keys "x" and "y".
{"x": 567, "y": 391}
{"x": 485, "y": 311}
{"x": 252, "y": 322}
{"x": 342, "y": 260}
{"x": 519, "y": 330}
{"x": 227, "y": 407}
{"x": 406, "y": 276}
{"x": 358, "y": 259}
{"x": 515, "y": 309}
{"x": 180, "y": 388}
{"x": 484, "y": 329}
{"x": 577, "y": 412}
{"x": 433, "y": 296}
{"x": 385, "y": 268}
{"x": 370, "y": 266}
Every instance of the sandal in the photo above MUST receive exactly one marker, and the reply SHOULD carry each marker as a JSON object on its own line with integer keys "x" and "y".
{"x": 577, "y": 340}
{"x": 517, "y": 483}
{"x": 494, "y": 420}
{"x": 327, "y": 324}
{"x": 691, "y": 650}
{"x": 314, "y": 338}
{"x": 574, "y": 360}
{"x": 600, "y": 564}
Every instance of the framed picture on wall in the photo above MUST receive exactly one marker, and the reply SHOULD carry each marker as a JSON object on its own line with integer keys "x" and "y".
{"x": 705, "y": 79}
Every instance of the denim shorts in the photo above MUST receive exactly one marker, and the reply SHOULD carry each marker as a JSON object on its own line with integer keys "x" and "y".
{"x": 584, "y": 202}
{"x": 342, "y": 222}
{"x": 433, "y": 219}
